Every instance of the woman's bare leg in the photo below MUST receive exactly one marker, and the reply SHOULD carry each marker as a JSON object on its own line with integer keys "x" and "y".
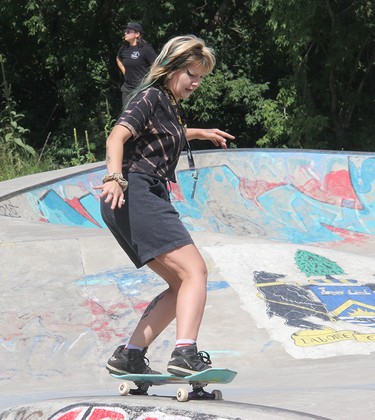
{"x": 185, "y": 271}
{"x": 160, "y": 312}
{"x": 188, "y": 265}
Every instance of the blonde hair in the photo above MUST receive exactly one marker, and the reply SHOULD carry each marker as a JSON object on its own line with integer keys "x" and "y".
{"x": 178, "y": 53}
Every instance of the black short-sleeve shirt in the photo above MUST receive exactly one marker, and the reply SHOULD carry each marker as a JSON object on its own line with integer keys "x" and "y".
{"x": 157, "y": 137}
{"x": 137, "y": 60}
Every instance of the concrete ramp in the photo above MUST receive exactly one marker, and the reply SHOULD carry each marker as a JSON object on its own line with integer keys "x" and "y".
{"x": 288, "y": 237}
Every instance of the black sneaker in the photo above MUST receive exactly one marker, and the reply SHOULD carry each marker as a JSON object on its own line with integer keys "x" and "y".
{"x": 124, "y": 361}
{"x": 186, "y": 360}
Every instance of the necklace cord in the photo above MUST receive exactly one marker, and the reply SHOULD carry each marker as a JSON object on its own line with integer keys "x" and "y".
{"x": 179, "y": 112}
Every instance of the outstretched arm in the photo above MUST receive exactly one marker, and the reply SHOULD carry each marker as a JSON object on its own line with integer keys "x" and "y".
{"x": 218, "y": 137}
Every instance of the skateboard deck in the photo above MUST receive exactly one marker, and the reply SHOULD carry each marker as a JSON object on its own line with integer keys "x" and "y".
{"x": 198, "y": 381}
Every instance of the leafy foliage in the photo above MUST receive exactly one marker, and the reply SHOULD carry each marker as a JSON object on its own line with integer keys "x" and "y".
{"x": 330, "y": 48}
{"x": 13, "y": 150}
{"x": 289, "y": 73}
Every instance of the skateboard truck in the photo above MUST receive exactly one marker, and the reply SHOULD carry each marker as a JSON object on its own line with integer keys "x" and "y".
{"x": 142, "y": 388}
{"x": 198, "y": 393}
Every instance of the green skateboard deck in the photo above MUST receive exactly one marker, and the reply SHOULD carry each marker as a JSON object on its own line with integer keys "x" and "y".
{"x": 198, "y": 381}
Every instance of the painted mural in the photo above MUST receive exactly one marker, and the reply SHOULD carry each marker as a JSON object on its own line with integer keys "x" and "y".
{"x": 328, "y": 299}
{"x": 305, "y": 299}
{"x": 94, "y": 411}
{"x": 132, "y": 291}
{"x": 288, "y": 197}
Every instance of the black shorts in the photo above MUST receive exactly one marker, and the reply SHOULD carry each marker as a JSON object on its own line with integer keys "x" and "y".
{"x": 147, "y": 225}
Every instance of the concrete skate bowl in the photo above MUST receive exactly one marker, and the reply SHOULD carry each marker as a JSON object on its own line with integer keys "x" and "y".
{"x": 288, "y": 237}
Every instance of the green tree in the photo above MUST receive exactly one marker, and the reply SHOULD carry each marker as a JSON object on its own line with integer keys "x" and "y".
{"x": 289, "y": 73}
{"x": 326, "y": 99}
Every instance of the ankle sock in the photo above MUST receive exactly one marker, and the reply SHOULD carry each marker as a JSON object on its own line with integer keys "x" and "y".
{"x": 133, "y": 347}
{"x": 184, "y": 342}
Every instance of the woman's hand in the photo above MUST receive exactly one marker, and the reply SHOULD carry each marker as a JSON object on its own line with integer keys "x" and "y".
{"x": 113, "y": 192}
{"x": 218, "y": 137}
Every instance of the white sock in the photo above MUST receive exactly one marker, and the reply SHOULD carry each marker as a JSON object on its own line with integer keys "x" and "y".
{"x": 133, "y": 347}
{"x": 184, "y": 342}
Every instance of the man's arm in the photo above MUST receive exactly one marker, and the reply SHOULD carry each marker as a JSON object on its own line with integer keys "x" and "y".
{"x": 120, "y": 65}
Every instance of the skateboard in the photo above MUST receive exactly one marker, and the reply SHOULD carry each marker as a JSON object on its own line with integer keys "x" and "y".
{"x": 198, "y": 381}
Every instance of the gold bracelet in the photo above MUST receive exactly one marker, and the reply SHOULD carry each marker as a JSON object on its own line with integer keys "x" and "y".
{"x": 118, "y": 177}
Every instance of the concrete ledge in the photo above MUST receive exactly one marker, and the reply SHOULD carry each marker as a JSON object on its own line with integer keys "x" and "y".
{"x": 163, "y": 408}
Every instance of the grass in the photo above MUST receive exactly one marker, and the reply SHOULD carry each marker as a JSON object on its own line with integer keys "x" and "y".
{"x": 16, "y": 165}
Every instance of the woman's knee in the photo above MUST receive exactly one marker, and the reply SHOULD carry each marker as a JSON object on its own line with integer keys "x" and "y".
{"x": 186, "y": 258}
{"x": 193, "y": 271}
{"x": 169, "y": 277}
{"x": 203, "y": 272}
{"x": 196, "y": 272}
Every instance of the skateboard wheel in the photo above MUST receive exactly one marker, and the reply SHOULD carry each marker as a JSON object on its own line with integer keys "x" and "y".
{"x": 217, "y": 394}
{"x": 124, "y": 388}
{"x": 182, "y": 395}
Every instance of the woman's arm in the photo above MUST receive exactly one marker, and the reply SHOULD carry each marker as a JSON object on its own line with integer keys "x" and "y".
{"x": 218, "y": 137}
{"x": 120, "y": 65}
{"x": 112, "y": 190}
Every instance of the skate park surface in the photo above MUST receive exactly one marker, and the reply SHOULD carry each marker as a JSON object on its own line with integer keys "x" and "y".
{"x": 288, "y": 237}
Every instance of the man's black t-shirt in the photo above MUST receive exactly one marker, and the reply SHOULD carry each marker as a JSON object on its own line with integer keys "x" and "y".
{"x": 137, "y": 61}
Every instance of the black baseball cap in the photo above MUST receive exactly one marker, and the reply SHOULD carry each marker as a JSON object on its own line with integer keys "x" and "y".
{"x": 137, "y": 27}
